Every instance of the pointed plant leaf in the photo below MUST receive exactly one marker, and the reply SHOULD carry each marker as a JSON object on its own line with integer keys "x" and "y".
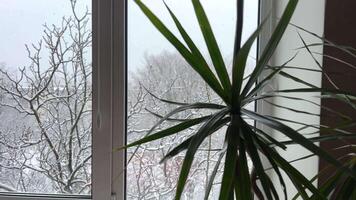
{"x": 243, "y": 186}
{"x": 328, "y": 137}
{"x": 296, "y": 177}
{"x": 255, "y": 157}
{"x": 272, "y": 162}
{"x": 230, "y": 160}
{"x": 326, "y": 75}
{"x": 212, "y": 45}
{"x": 239, "y": 63}
{"x": 175, "y": 111}
{"x": 184, "y": 145}
{"x": 183, "y": 108}
{"x": 195, "y": 51}
{"x": 307, "y": 101}
{"x": 202, "y": 70}
{"x": 167, "y": 132}
{"x": 292, "y": 109}
{"x": 300, "y": 139}
{"x": 324, "y": 91}
{"x": 330, "y": 185}
{"x": 176, "y": 150}
{"x": 161, "y": 116}
{"x": 327, "y": 42}
{"x": 214, "y": 172}
{"x": 271, "y": 45}
{"x": 296, "y": 79}
{"x": 165, "y": 100}
{"x": 214, "y": 122}
{"x": 294, "y": 67}
{"x": 269, "y": 138}
{"x": 260, "y": 85}
{"x": 335, "y": 59}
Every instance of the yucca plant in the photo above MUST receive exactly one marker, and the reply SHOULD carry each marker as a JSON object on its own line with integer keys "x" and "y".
{"x": 338, "y": 185}
{"x": 241, "y": 140}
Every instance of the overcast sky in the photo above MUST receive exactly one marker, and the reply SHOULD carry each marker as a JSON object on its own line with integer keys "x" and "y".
{"x": 21, "y": 23}
{"x": 143, "y": 38}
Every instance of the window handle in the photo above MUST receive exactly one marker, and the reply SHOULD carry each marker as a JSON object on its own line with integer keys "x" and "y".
{"x": 113, "y": 196}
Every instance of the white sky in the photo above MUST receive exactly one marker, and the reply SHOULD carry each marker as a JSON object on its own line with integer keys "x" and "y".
{"x": 21, "y": 23}
{"x": 143, "y": 38}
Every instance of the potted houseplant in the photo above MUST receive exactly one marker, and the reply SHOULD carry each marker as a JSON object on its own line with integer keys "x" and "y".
{"x": 242, "y": 140}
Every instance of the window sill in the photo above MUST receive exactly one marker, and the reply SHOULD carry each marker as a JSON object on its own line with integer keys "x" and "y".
{"x": 9, "y": 196}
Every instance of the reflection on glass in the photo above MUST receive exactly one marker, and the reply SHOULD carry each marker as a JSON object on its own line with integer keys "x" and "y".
{"x": 155, "y": 67}
{"x": 45, "y": 96}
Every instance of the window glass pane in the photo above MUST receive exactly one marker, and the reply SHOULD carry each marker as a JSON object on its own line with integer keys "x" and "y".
{"x": 154, "y": 66}
{"x": 45, "y": 96}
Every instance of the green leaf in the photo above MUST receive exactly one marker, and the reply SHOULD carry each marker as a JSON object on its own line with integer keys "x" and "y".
{"x": 265, "y": 151}
{"x": 292, "y": 109}
{"x": 300, "y": 139}
{"x": 328, "y": 137}
{"x": 239, "y": 64}
{"x": 230, "y": 159}
{"x": 335, "y": 59}
{"x": 329, "y": 185}
{"x": 295, "y": 160}
{"x": 183, "y": 108}
{"x": 304, "y": 100}
{"x": 296, "y": 79}
{"x": 324, "y": 91}
{"x": 326, "y": 42}
{"x": 271, "y": 45}
{"x": 212, "y": 45}
{"x": 255, "y": 157}
{"x": 167, "y": 132}
{"x": 317, "y": 63}
{"x": 195, "y": 51}
{"x": 261, "y": 84}
{"x": 161, "y": 116}
{"x": 175, "y": 111}
{"x": 202, "y": 70}
{"x": 176, "y": 150}
{"x": 214, "y": 172}
{"x": 269, "y": 138}
{"x": 243, "y": 186}
{"x": 214, "y": 122}
{"x": 333, "y": 184}
{"x": 295, "y": 68}
{"x": 296, "y": 177}
{"x": 300, "y": 188}
{"x": 164, "y": 100}
{"x": 184, "y": 145}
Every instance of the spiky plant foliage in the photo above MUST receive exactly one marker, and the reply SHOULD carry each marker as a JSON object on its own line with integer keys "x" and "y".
{"x": 338, "y": 185}
{"x": 242, "y": 140}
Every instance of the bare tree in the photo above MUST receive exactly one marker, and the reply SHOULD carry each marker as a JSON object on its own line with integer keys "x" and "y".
{"x": 167, "y": 76}
{"x": 47, "y": 146}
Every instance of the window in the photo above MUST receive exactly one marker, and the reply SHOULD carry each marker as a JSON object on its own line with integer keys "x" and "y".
{"x": 155, "y": 68}
{"x": 104, "y": 118}
{"x": 46, "y": 99}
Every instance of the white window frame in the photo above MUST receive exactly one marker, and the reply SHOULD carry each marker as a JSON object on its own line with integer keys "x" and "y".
{"x": 109, "y": 63}
{"x": 109, "y": 99}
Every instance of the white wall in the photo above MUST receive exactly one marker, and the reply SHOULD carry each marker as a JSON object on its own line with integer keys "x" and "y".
{"x": 310, "y": 15}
